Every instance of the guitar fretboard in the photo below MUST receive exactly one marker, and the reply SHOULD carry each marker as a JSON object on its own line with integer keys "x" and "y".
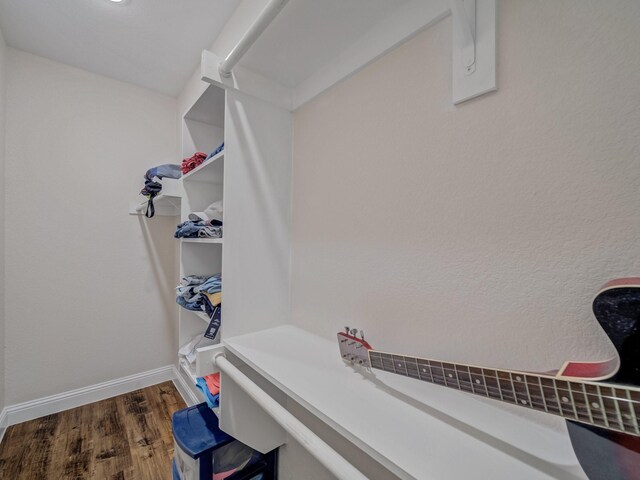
{"x": 614, "y": 407}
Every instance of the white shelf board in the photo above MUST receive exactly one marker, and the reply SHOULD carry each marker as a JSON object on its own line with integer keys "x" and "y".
{"x": 415, "y": 429}
{"x": 186, "y": 368}
{"x": 201, "y": 240}
{"x": 211, "y": 170}
{"x": 165, "y": 205}
{"x": 203, "y": 316}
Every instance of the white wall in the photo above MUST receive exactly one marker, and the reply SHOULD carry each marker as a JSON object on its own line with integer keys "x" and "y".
{"x": 478, "y": 233}
{"x": 89, "y": 287}
{"x": 3, "y": 49}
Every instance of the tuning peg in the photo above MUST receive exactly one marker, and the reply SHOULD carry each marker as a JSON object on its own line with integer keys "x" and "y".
{"x": 347, "y": 329}
{"x": 354, "y": 331}
{"x": 362, "y": 334}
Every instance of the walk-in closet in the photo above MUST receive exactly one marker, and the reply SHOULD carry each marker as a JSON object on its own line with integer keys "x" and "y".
{"x": 319, "y": 240}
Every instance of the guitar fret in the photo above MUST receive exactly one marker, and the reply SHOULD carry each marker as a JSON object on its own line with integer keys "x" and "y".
{"x": 399, "y": 365}
{"x": 412, "y": 367}
{"x": 464, "y": 378}
{"x": 544, "y": 400}
{"x": 632, "y": 409}
{"x": 580, "y": 402}
{"x": 629, "y": 422}
{"x": 387, "y": 363}
{"x": 520, "y": 388}
{"x": 506, "y": 387}
{"x": 491, "y": 383}
{"x": 478, "y": 383}
{"x": 535, "y": 393}
{"x": 375, "y": 360}
{"x": 424, "y": 370}
{"x": 438, "y": 373}
{"x": 449, "y": 372}
{"x": 605, "y": 413}
{"x": 596, "y": 408}
{"x": 635, "y": 406}
{"x": 612, "y": 408}
{"x": 565, "y": 400}
{"x": 455, "y": 369}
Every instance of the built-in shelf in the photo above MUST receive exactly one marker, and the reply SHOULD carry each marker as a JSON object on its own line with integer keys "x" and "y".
{"x": 203, "y": 316}
{"x": 186, "y": 368}
{"x": 165, "y": 205}
{"x": 415, "y": 429}
{"x": 201, "y": 240}
{"x": 211, "y": 170}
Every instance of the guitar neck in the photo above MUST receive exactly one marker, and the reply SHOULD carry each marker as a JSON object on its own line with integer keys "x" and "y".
{"x": 615, "y": 407}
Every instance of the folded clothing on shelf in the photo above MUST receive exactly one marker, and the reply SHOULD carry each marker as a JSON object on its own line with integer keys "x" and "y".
{"x": 199, "y": 229}
{"x": 216, "y": 151}
{"x": 210, "y": 387}
{"x": 211, "y": 213}
{"x": 190, "y": 163}
{"x": 191, "y": 289}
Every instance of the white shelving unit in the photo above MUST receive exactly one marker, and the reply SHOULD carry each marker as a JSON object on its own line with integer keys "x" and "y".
{"x": 202, "y": 131}
{"x": 201, "y": 240}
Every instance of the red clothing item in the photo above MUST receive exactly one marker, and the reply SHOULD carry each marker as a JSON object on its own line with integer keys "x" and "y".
{"x": 189, "y": 164}
{"x": 213, "y": 383}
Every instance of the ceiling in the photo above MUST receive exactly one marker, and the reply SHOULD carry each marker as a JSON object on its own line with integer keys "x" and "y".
{"x": 152, "y": 43}
{"x": 308, "y": 34}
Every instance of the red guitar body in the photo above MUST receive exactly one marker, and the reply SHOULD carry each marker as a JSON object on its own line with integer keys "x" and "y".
{"x": 605, "y": 454}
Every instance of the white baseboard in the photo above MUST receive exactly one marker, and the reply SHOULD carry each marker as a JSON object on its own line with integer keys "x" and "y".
{"x": 22, "y": 412}
{"x": 184, "y": 389}
{"x": 3, "y": 423}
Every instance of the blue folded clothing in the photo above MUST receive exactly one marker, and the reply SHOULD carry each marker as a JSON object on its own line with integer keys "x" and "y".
{"x": 216, "y": 151}
{"x": 189, "y": 291}
{"x": 212, "y": 400}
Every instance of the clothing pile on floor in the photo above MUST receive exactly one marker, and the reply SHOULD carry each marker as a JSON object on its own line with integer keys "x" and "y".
{"x": 153, "y": 186}
{"x": 206, "y": 224}
{"x": 194, "y": 291}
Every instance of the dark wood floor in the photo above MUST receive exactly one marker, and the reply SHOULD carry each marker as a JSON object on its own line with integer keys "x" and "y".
{"x": 122, "y": 438}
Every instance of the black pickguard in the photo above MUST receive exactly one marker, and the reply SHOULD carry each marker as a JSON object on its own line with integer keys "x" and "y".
{"x": 605, "y": 454}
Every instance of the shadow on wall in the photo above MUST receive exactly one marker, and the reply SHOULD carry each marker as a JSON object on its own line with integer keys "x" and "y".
{"x": 163, "y": 269}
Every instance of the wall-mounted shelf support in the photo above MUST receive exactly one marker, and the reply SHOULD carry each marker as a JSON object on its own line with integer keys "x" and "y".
{"x": 464, "y": 20}
{"x": 474, "y": 48}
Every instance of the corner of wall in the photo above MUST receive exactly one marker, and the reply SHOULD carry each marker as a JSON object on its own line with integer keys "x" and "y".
{"x": 2, "y": 209}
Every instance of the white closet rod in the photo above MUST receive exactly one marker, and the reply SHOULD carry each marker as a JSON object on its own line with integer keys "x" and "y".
{"x": 328, "y": 457}
{"x": 267, "y": 15}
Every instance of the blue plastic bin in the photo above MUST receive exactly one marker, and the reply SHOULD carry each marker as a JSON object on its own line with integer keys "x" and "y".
{"x": 197, "y": 436}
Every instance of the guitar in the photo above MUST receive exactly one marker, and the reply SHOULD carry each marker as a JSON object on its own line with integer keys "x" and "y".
{"x": 600, "y": 400}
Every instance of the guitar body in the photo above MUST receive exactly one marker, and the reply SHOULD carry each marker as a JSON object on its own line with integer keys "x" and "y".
{"x": 606, "y": 454}
{"x": 602, "y": 410}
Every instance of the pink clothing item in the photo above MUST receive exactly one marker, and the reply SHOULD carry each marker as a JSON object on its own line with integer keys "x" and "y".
{"x": 223, "y": 475}
{"x": 213, "y": 383}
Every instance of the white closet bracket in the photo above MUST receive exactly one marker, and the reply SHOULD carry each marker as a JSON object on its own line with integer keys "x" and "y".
{"x": 474, "y": 48}
{"x": 464, "y": 19}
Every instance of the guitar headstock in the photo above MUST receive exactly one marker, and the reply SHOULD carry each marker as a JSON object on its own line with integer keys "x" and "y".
{"x": 354, "y": 350}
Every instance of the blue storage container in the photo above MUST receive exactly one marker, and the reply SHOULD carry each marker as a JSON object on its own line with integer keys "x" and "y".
{"x": 198, "y": 437}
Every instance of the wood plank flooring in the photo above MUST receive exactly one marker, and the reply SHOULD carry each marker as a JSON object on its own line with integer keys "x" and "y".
{"x": 123, "y": 438}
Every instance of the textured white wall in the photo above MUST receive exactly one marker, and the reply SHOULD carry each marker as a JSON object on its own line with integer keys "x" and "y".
{"x": 476, "y": 233}
{"x": 3, "y": 50}
{"x": 89, "y": 287}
